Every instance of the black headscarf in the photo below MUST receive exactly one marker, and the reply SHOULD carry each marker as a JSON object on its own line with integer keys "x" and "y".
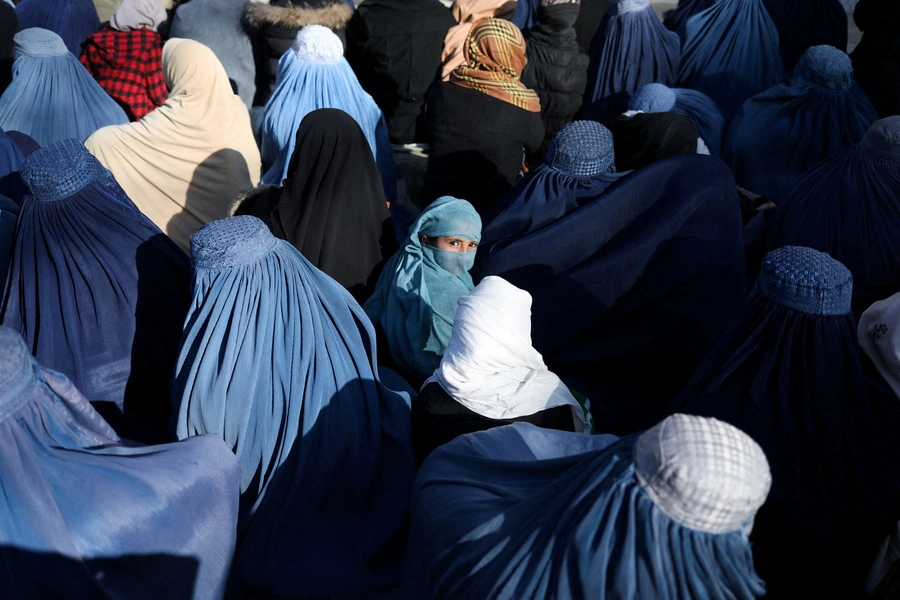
{"x": 648, "y": 137}
{"x": 332, "y": 206}
{"x": 9, "y": 26}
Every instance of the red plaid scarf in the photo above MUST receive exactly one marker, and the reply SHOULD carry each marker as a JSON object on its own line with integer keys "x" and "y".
{"x": 128, "y": 65}
{"x": 495, "y": 56}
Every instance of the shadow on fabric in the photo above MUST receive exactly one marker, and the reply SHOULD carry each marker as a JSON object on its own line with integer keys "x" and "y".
{"x": 204, "y": 201}
{"x": 43, "y": 575}
{"x": 163, "y": 300}
{"x": 333, "y": 520}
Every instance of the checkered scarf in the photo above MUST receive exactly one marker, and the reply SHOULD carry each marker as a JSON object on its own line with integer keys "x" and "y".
{"x": 495, "y": 57}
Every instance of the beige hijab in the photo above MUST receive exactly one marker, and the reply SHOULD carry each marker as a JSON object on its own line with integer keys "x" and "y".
{"x": 184, "y": 163}
{"x": 466, "y": 12}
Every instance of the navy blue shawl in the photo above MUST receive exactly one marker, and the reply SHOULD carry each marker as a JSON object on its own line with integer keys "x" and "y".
{"x": 643, "y": 279}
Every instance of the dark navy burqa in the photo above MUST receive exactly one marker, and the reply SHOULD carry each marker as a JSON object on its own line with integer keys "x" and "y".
{"x": 72, "y": 20}
{"x": 630, "y": 49}
{"x": 726, "y": 62}
{"x": 578, "y": 166}
{"x": 849, "y": 206}
{"x": 699, "y": 108}
{"x": 803, "y": 24}
{"x": 685, "y": 10}
{"x": 278, "y": 360}
{"x": 788, "y": 373}
{"x": 650, "y": 272}
{"x": 98, "y": 291}
{"x": 11, "y": 191}
{"x": 530, "y": 513}
{"x": 85, "y": 515}
{"x": 816, "y": 113}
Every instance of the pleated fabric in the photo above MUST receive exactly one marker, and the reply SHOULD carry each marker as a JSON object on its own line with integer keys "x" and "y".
{"x": 579, "y": 166}
{"x": 729, "y": 52}
{"x": 685, "y": 10}
{"x": 72, "y": 20}
{"x": 849, "y": 206}
{"x": 52, "y": 96}
{"x": 530, "y": 513}
{"x": 803, "y": 24}
{"x": 417, "y": 294}
{"x": 278, "y": 360}
{"x": 97, "y": 291}
{"x": 788, "y": 373}
{"x": 706, "y": 116}
{"x": 314, "y": 74}
{"x": 818, "y": 112}
{"x": 86, "y": 515}
{"x": 646, "y": 276}
{"x": 630, "y": 49}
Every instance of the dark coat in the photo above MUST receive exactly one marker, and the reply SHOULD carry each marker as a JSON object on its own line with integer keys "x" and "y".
{"x": 477, "y": 144}
{"x": 394, "y": 47}
{"x": 557, "y": 67}
{"x": 275, "y": 24}
{"x": 876, "y": 60}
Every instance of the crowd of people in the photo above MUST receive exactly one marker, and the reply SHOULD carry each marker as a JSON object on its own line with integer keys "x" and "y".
{"x": 526, "y": 299}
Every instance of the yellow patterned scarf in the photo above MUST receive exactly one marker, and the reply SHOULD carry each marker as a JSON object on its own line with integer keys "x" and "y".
{"x": 495, "y": 56}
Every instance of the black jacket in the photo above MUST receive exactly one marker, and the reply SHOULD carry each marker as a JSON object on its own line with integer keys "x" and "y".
{"x": 477, "y": 144}
{"x": 557, "y": 67}
{"x": 394, "y": 47}
{"x": 876, "y": 60}
{"x": 275, "y": 24}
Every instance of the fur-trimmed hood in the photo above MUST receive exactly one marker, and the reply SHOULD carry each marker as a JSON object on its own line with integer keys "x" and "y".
{"x": 333, "y": 15}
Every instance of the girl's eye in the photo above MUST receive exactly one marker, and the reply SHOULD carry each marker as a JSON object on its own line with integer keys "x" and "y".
{"x": 454, "y": 243}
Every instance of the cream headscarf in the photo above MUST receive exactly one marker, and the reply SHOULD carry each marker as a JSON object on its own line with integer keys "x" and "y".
{"x": 490, "y": 366}
{"x": 184, "y": 163}
{"x": 466, "y": 12}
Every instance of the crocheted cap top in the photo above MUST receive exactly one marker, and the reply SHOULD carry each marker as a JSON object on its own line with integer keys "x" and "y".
{"x": 653, "y": 98}
{"x": 35, "y": 41}
{"x": 883, "y": 139}
{"x": 60, "y": 170}
{"x": 581, "y": 149}
{"x": 318, "y": 44}
{"x": 703, "y": 473}
{"x": 230, "y": 242}
{"x": 827, "y": 67}
{"x": 806, "y": 280}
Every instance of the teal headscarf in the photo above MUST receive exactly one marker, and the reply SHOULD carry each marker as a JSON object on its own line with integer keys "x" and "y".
{"x": 416, "y": 296}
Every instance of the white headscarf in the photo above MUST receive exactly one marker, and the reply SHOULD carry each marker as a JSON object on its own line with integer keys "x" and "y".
{"x": 879, "y": 336}
{"x": 134, "y": 14}
{"x": 490, "y": 366}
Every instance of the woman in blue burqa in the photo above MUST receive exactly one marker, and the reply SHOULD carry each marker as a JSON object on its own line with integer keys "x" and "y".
{"x": 416, "y": 297}
{"x": 277, "y": 359}
{"x": 314, "y": 74}
{"x": 630, "y": 49}
{"x": 87, "y": 515}
{"x": 729, "y": 63}
{"x": 706, "y": 116}
{"x": 788, "y": 372}
{"x": 530, "y": 513}
{"x": 98, "y": 291}
{"x": 72, "y": 20}
{"x": 648, "y": 272}
{"x": 849, "y": 206}
{"x": 52, "y": 96}
{"x": 817, "y": 112}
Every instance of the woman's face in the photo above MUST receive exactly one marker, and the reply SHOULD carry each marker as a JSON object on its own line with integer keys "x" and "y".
{"x": 450, "y": 243}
